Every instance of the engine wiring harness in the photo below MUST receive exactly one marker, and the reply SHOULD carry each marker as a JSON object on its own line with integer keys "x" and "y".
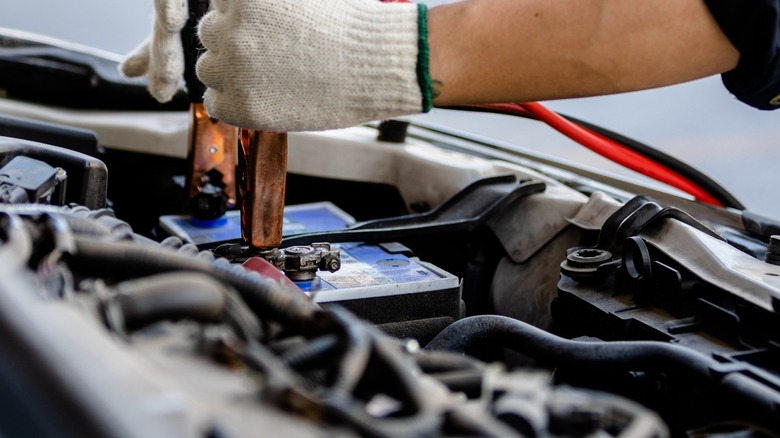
{"x": 321, "y": 364}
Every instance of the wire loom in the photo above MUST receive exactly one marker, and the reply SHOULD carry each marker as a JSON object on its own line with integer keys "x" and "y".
{"x": 324, "y": 365}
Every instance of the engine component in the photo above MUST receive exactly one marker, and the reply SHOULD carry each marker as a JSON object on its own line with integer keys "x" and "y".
{"x": 773, "y": 251}
{"x": 462, "y": 213}
{"x": 382, "y": 283}
{"x": 136, "y": 304}
{"x": 87, "y": 176}
{"x": 657, "y": 274}
{"x": 301, "y": 263}
{"x": 26, "y": 180}
{"x": 323, "y": 366}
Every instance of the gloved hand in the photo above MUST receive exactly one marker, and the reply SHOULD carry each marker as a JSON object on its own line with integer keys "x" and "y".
{"x": 293, "y": 65}
{"x": 161, "y": 57}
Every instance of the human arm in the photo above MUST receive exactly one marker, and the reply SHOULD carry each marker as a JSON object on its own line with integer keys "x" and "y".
{"x": 507, "y": 50}
{"x": 480, "y": 51}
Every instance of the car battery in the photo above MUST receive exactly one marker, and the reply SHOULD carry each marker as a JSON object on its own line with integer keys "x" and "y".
{"x": 383, "y": 283}
{"x": 298, "y": 219}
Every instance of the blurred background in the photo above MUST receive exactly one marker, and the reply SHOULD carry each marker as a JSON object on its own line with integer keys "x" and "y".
{"x": 697, "y": 122}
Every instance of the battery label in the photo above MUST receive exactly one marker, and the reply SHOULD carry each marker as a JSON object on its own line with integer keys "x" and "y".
{"x": 367, "y": 270}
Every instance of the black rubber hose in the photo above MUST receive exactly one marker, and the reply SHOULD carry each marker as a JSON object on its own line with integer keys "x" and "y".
{"x": 471, "y": 383}
{"x": 442, "y": 362}
{"x": 502, "y": 331}
{"x": 267, "y": 298}
{"x": 758, "y": 402}
{"x": 169, "y": 297}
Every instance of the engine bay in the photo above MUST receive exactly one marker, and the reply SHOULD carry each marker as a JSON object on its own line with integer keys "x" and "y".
{"x": 431, "y": 284}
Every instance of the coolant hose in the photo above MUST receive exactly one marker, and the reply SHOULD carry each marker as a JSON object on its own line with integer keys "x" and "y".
{"x": 165, "y": 297}
{"x": 538, "y": 344}
{"x": 442, "y": 362}
{"x": 266, "y": 298}
{"x": 759, "y": 403}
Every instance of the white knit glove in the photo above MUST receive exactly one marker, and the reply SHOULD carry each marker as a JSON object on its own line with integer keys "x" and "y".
{"x": 161, "y": 58}
{"x": 294, "y": 65}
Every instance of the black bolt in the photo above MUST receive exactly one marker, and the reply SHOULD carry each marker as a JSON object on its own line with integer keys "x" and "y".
{"x": 588, "y": 257}
{"x": 773, "y": 252}
{"x": 393, "y": 131}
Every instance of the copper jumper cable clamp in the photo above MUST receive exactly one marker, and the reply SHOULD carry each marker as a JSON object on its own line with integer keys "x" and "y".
{"x": 211, "y": 182}
{"x": 263, "y": 180}
{"x": 262, "y": 183}
{"x": 210, "y": 186}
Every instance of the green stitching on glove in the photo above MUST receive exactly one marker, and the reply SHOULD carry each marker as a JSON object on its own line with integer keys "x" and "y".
{"x": 423, "y": 59}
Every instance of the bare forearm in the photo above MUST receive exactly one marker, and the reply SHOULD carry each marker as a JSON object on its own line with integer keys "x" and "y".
{"x": 522, "y": 50}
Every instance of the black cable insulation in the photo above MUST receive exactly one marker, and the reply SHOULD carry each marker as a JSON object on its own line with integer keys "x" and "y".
{"x": 684, "y": 169}
{"x": 312, "y": 352}
{"x": 664, "y": 159}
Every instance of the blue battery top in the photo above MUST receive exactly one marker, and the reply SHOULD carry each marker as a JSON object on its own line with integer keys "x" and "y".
{"x": 366, "y": 270}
